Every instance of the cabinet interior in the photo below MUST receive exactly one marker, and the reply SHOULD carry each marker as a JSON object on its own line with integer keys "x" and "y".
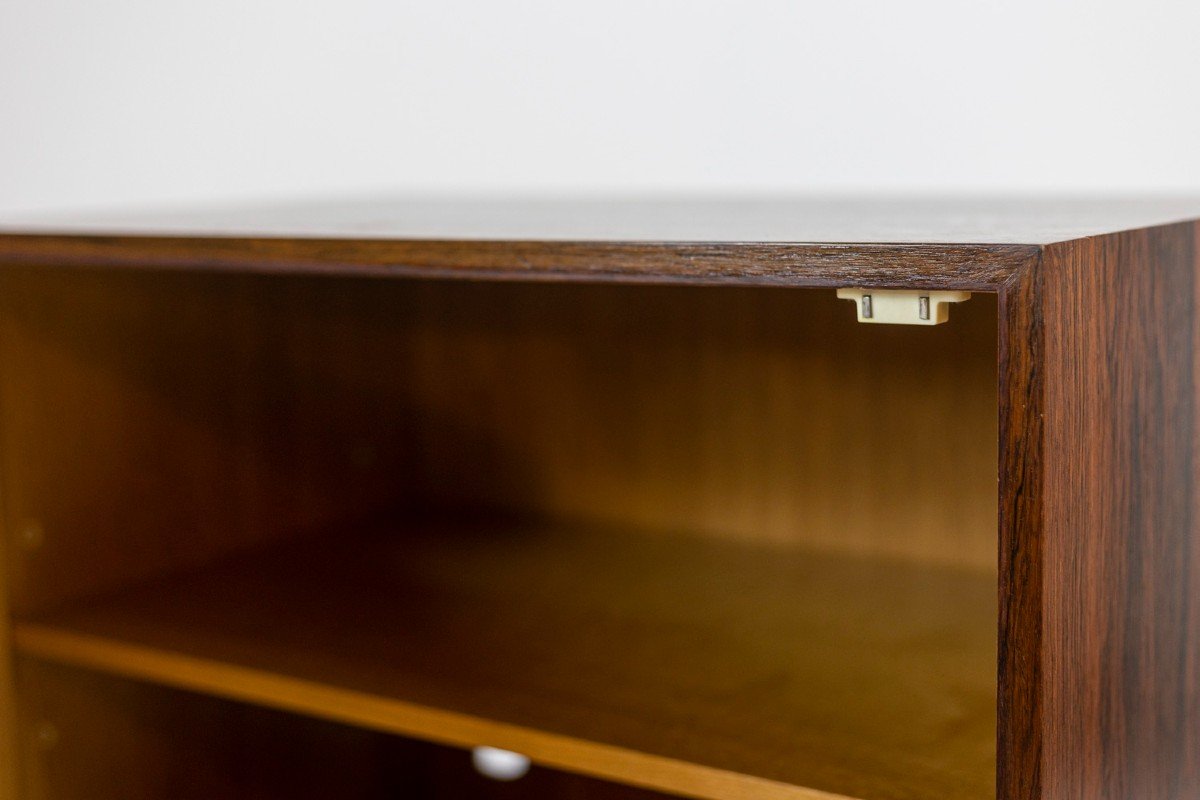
{"x": 712, "y": 541}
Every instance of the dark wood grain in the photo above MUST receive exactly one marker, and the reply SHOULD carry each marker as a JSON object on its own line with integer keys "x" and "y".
{"x": 973, "y": 244}
{"x": 1021, "y": 371}
{"x": 1099, "y": 697}
{"x": 1121, "y": 546}
{"x": 969, "y": 267}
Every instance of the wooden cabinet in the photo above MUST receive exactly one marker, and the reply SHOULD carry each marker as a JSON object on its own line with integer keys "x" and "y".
{"x": 309, "y": 502}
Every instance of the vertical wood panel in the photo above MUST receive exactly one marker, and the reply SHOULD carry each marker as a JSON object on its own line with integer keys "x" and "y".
{"x": 1122, "y": 551}
{"x": 1022, "y": 379}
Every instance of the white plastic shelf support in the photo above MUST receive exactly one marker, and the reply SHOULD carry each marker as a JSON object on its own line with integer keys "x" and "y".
{"x": 903, "y": 306}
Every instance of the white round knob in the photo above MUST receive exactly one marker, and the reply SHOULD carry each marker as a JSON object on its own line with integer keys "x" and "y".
{"x": 500, "y": 765}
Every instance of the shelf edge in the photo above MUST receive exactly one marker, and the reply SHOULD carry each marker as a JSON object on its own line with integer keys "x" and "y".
{"x": 393, "y": 716}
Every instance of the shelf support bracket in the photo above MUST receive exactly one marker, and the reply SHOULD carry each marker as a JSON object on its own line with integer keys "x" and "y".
{"x": 903, "y": 306}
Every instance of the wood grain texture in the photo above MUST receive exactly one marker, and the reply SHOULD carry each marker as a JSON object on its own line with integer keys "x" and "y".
{"x": 1099, "y": 544}
{"x": 1019, "y": 692}
{"x": 719, "y": 412}
{"x": 713, "y": 670}
{"x": 1121, "y": 545}
{"x": 134, "y": 407}
{"x": 969, "y": 267}
{"x": 230, "y": 410}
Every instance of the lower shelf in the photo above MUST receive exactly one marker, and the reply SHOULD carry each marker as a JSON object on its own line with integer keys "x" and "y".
{"x": 119, "y": 739}
{"x": 695, "y": 667}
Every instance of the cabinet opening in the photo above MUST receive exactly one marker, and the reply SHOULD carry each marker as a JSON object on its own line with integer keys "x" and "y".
{"x": 710, "y": 541}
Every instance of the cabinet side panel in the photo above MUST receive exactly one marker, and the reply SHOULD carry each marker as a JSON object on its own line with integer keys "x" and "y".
{"x": 154, "y": 423}
{"x": 1121, "y": 614}
{"x": 1022, "y": 380}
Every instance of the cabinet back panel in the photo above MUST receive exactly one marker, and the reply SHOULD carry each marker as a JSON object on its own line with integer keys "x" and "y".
{"x": 186, "y": 415}
{"x": 769, "y": 415}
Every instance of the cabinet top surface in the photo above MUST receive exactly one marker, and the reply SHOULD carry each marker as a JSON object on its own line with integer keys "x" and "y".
{"x": 766, "y": 220}
{"x": 971, "y": 244}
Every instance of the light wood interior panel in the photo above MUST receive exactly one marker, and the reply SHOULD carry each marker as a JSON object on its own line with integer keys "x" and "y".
{"x": 701, "y": 666}
{"x": 231, "y": 410}
{"x": 765, "y": 415}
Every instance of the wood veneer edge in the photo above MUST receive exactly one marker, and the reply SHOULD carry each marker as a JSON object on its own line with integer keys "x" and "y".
{"x": 1019, "y": 686}
{"x": 962, "y": 266}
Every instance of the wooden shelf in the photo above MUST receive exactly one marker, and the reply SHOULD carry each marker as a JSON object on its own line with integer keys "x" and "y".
{"x": 703, "y": 668}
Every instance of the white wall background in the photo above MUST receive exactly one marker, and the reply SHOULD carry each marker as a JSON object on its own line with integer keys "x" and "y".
{"x": 119, "y": 102}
